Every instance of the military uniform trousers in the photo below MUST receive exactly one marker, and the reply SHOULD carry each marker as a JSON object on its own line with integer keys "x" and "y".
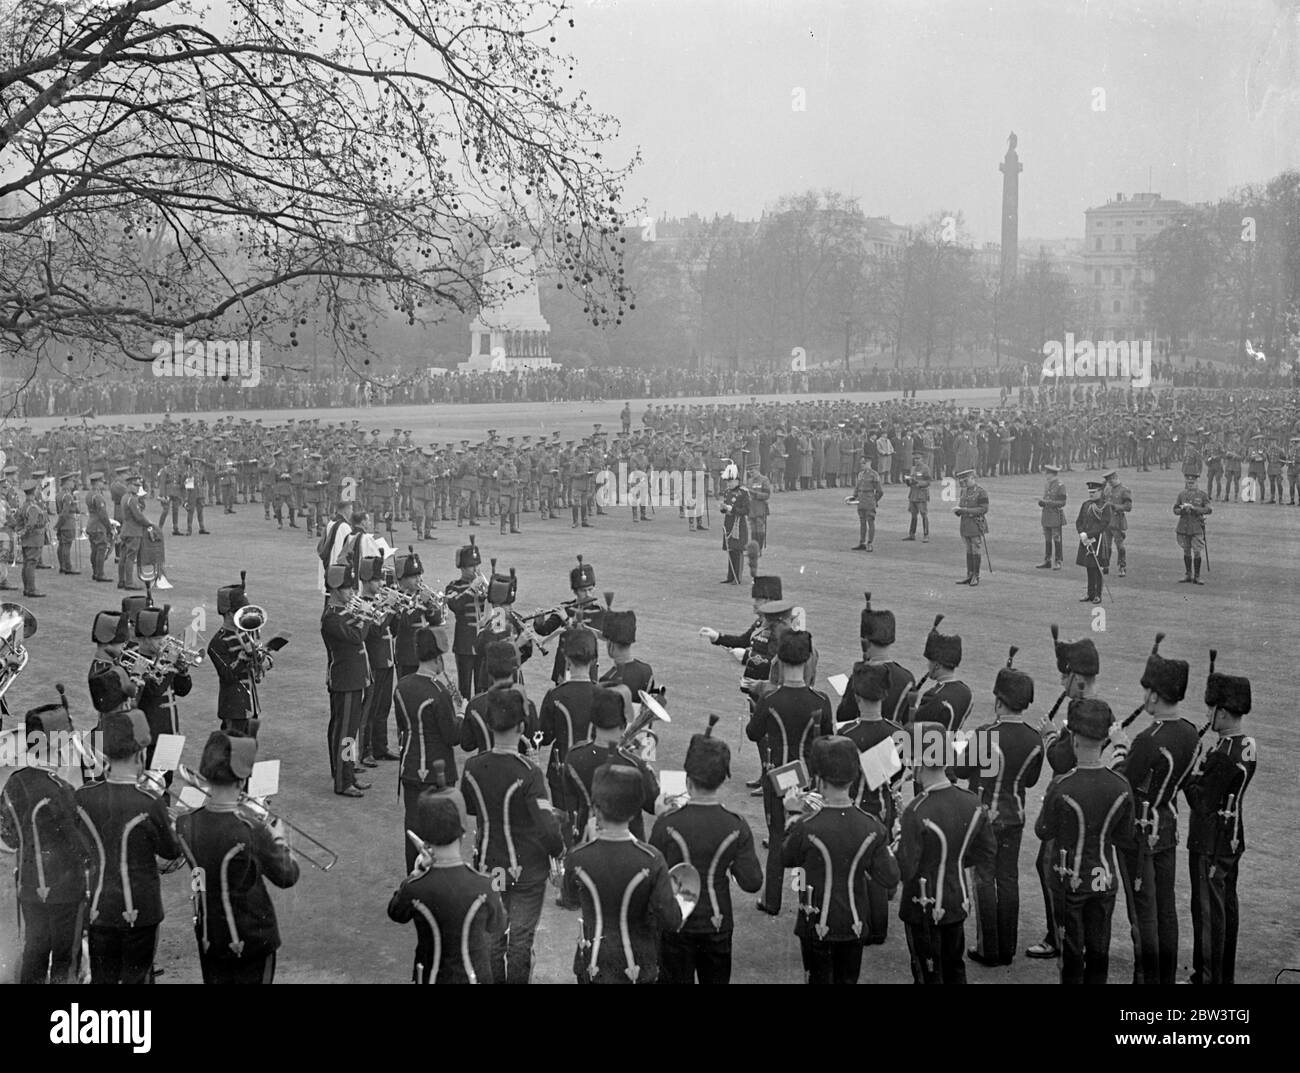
{"x": 774, "y": 810}
{"x": 700, "y": 956}
{"x": 1214, "y": 917}
{"x": 31, "y": 560}
{"x": 51, "y": 941}
{"x": 1043, "y": 865}
{"x": 512, "y": 950}
{"x": 235, "y": 970}
{"x": 344, "y": 728}
{"x": 831, "y": 962}
{"x": 997, "y": 897}
{"x": 1152, "y": 913}
{"x": 122, "y": 955}
{"x": 1083, "y": 920}
{"x": 377, "y": 704}
{"x": 938, "y": 952}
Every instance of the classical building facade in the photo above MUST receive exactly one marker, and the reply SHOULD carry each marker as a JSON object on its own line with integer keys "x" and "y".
{"x": 1111, "y": 274}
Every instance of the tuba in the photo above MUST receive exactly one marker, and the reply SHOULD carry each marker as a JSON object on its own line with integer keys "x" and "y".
{"x": 13, "y": 654}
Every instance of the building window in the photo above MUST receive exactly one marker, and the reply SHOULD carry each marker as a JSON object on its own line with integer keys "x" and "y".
{"x": 1097, "y": 243}
{"x": 1119, "y": 223}
{"x": 1117, "y": 276}
{"x": 1096, "y": 276}
{"x": 1160, "y": 223}
{"x": 1137, "y": 242}
{"x": 1119, "y": 243}
{"x": 1096, "y": 305}
{"x": 1114, "y": 306}
{"x": 1139, "y": 223}
{"x": 485, "y": 342}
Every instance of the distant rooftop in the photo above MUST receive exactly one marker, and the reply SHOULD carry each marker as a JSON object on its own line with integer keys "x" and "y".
{"x": 1144, "y": 202}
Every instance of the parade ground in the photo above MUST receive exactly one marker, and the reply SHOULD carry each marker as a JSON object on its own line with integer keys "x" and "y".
{"x": 334, "y": 925}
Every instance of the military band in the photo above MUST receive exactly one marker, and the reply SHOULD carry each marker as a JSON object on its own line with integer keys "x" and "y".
{"x": 1108, "y": 819}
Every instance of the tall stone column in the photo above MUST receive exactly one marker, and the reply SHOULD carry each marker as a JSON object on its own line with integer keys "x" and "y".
{"x": 1011, "y": 169}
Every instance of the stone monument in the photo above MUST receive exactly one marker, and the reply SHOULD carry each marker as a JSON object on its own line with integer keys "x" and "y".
{"x": 511, "y": 333}
{"x": 1011, "y": 169}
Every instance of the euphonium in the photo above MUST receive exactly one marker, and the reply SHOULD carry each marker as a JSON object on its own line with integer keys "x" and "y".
{"x": 13, "y": 656}
{"x": 248, "y": 622}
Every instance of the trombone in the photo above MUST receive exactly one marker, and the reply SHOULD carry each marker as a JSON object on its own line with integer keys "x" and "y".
{"x": 318, "y": 855}
{"x": 13, "y": 654}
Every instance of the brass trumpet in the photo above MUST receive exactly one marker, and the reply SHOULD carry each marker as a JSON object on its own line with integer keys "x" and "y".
{"x": 255, "y": 810}
{"x": 143, "y": 669}
{"x": 173, "y": 651}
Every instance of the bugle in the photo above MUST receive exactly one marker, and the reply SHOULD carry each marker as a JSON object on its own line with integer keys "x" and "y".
{"x": 318, "y": 856}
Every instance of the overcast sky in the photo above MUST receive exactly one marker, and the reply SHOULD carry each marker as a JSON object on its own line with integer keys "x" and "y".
{"x": 909, "y": 102}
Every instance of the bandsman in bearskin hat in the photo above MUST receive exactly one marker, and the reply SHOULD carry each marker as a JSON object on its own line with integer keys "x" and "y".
{"x": 1078, "y": 664}
{"x": 1086, "y": 814}
{"x": 445, "y": 896}
{"x": 717, "y": 843}
{"x": 501, "y": 666}
{"x": 110, "y": 632}
{"x": 1003, "y": 759}
{"x": 518, "y": 833}
{"x": 940, "y": 683}
{"x": 785, "y": 722}
{"x": 237, "y": 702}
{"x": 620, "y": 635}
{"x": 611, "y": 711}
{"x": 466, "y": 599}
{"x": 839, "y": 853}
{"x": 428, "y": 727}
{"x": 158, "y": 697}
{"x": 615, "y": 877}
{"x": 408, "y": 573}
{"x": 347, "y": 679}
{"x": 377, "y": 703}
{"x": 54, "y": 862}
{"x": 934, "y": 827}
{"x": 1216, "y": 830}
{"x": 868, "y": 727}
{"x": 235, "y": 923}
{"x": 499, "y": 624}
{"x": 877, "y": 632}
{"x": 583, "y": 611}
{"x": 565, "y": 717}
{"x": 130, "y": 827}
{"x": 1159, "y": 760}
